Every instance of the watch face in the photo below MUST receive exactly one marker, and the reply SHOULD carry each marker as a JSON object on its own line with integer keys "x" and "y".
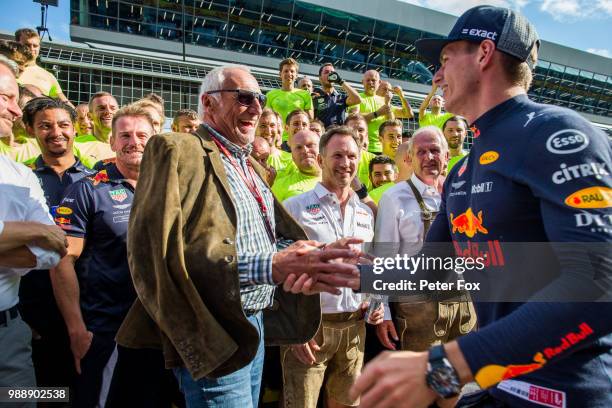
{"x": 442, "y": 378}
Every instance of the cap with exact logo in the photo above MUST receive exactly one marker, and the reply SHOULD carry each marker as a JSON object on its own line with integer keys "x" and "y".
{"x": 511, "y": 32}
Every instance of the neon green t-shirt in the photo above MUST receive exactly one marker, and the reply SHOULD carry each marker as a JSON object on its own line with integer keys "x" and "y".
{"x": 91, "y": 150}
{"x": 429, "y": 119}
{"x": 370, "y": 104}
{"x": 26, "y": 149}
{"x": 90, "y": 164}
{"x": 5, "y": 150}
{"x": 363, "y": 171}
{"x": 453, "y": 160}
{"x": 42, "y": 79}
{"x": 285, "y": 102}
{"x": 280, "y": 160}
{"x": 377, "y": 193}
{"x": 291, "y": 182}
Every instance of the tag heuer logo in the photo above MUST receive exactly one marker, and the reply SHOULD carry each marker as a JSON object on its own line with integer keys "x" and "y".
{"x": 118, "y": 195}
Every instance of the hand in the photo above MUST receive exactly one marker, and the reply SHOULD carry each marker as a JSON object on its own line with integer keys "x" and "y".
{"x": 271, "y": 175}
{"x": 80, "y": 341}
{"x": 385, "y": 332}
{"x": 305, "y": 258}
{"x": 394, "y": 380}
{"x": 375, "y": 318}
{"x": 384, "y": 110}
{"x": 398, "y": 90}
{"x": 305, "y": 352}
{"x": 335, "y": 78}
{"x": 50, "y": 237}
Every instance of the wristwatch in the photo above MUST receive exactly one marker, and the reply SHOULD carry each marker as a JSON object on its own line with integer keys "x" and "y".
{"x": 375, "y": 113}
{"x": 441, "y": 375}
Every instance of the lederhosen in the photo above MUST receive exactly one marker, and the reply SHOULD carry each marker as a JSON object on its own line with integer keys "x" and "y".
{"x": 422, "y": 321}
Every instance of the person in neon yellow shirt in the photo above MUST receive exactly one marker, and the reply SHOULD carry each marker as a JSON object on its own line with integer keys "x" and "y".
{"x": 404, "y": 171}
{"x": 288, "y": 98}
{"x": 455, "y": 131}
{"x": 435, "y": 117}
{"x": 306, "y": 173}
{"x": 23, "y": 146}
{"x": 382, "y": 171}
{"x": 83, "y": 124}
{"x": 390, "y": 135}
{"x": 296, "y": 121}
{"x": 35, "y": 75}
{"x": 95, "y": 147}
{"x": 359, "y": 125}
{"x": 376, "y": 109}
{"x": 269, "y": 127}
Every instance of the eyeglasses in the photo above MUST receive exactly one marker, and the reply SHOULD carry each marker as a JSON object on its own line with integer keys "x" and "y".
{"x": 245, "y": 98}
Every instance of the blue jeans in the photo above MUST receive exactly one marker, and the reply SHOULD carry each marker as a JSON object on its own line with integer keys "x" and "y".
{"x": 238, "y": 389}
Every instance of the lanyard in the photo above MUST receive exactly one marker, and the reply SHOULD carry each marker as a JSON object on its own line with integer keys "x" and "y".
{"x": 251, "y": 185}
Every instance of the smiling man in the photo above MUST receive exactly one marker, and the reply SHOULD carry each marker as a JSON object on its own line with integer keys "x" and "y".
{"x": 402, "y": 223}
{"x": 52, "y": 123}
{"x": 208, "y": 243}
{"x": 305, "y": 172}
{"x": 289, "y": 98}
{"x": 552, "y": 346}
{"x": 96, "y": 147}
{"x": 329, "y": 212}
{"x": 95, "y": 294}
{"x": 455, "y": 131}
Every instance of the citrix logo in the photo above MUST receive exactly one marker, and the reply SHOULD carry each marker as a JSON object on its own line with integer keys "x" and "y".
{"x": 491, "y": 35}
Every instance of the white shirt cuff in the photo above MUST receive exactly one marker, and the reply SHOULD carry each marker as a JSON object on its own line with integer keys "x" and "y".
{"x": 45, "y": 259}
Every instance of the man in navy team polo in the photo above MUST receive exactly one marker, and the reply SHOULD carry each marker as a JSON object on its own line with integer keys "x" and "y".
{"x": 536, "y": 174}
{"x": 51, "y": 121}
{"x": 92, "y": 283}
{"x": 330, "y": 105}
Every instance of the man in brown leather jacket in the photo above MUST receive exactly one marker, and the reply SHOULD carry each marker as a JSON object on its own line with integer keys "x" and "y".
{"x": 208, "y": 243}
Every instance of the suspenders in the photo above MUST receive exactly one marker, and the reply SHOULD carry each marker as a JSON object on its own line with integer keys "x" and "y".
{"x": 427, "y": 215}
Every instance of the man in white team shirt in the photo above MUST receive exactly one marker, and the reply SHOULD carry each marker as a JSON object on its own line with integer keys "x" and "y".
{"x": 405, "y": 213}
{"x": 328, "y": 213}
{"x": 29, "y": 239}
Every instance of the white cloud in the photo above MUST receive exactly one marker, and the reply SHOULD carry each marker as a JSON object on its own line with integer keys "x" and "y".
{"x": 573, "y": 10}
{"x": 600, "y": 51}
{"x": 457, "y": 7}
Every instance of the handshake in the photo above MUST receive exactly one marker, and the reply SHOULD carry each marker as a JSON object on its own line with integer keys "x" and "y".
{"x": 311, "y": 267}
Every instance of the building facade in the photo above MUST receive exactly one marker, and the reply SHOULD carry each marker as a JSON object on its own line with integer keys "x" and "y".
{"x": 355, "y": 35}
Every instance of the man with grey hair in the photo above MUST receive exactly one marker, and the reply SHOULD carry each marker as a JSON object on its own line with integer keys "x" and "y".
{"x": 208, "y": 243}
{"x": 404, "y": 216}
{"x": 29, "y": 240}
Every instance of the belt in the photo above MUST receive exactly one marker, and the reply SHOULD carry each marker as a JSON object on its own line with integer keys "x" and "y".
{"x": 12, "y": 313}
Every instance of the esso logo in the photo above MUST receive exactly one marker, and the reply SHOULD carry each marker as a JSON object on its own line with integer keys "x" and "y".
{"x": 567, "y": 141}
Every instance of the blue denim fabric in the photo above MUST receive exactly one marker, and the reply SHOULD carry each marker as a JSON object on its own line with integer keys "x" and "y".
{"x": 238, "y": 389}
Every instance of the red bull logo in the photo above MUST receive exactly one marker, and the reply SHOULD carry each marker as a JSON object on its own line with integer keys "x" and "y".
{"x": 468, "y": 224}
{"x": 62, "y": 220}
{"x": 100, "y": 177}
{"x": 490, "y": 251}
{"x": 492, "y": 374}
{"x": 569, "y": 340}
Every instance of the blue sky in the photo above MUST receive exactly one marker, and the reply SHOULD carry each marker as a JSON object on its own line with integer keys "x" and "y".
{"x": 582, "y": 24}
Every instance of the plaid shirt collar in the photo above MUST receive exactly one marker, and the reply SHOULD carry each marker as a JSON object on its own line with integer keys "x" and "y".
{"x": 237, "y": 151}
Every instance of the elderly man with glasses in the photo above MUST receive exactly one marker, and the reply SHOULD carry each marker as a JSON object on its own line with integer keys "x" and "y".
{"x": 207, "y": 245}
